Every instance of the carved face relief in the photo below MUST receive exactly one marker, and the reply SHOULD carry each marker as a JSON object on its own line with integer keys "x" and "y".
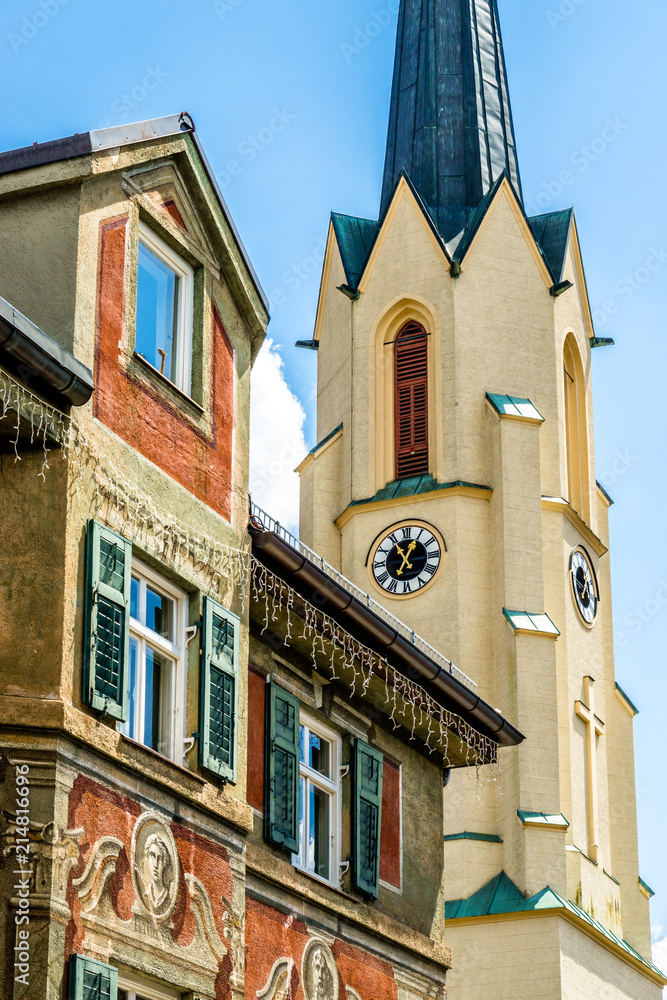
{"x": 319, "y": 974}
{"x": 154, "y": 867}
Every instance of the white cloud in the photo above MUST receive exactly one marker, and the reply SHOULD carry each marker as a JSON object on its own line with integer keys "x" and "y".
{"x": 277, "y": 442}
{"x": 659, "y": 939}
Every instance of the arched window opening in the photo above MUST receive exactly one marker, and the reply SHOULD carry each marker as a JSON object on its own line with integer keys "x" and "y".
{"x": 411, "y": 401}
{"x": 576, "y": 432}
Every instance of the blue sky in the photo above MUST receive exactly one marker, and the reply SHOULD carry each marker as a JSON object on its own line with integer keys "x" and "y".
{"x": 291, "y": 102}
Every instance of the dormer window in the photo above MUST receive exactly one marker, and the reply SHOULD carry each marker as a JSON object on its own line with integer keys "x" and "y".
{"x": 164, "y": 310}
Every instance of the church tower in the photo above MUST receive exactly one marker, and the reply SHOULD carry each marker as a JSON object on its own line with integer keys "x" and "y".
{"x": 455, "y": 480}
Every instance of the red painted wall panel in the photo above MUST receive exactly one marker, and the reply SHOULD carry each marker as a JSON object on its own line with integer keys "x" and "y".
{"x": 390, "y": 834}
{"x": 256, "y": 724}
{"x": 147, "y": 419}
{"x": 271, "y": 935}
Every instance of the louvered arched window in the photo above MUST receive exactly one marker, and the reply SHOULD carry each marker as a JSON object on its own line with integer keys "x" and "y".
{"x": 576, "y": 429}
{"x": 411, "y": 401}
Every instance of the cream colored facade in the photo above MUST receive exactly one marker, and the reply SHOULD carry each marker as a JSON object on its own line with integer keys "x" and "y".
{"x": 509, "y": 530}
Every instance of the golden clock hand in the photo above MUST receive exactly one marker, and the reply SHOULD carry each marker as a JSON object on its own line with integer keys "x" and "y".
{"x": 405, "y": 564}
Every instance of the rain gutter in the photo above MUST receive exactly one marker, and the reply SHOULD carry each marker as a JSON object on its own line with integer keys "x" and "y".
{"x": 31, "y": 354}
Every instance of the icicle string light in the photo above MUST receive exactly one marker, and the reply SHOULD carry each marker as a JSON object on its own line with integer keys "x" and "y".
{"x": 409, "y": 701}
{"x": 124, "y": 506}
{"x": 228, "y": 571}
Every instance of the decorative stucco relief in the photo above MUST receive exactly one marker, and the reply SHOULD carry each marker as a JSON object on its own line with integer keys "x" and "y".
{"x": 155, "y": 869}
{"x": 319, "y": 972}
{"x": 51, "y": 853}
{"x": 279, "y": 981}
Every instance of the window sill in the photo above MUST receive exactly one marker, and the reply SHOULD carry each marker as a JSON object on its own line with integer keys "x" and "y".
{"x": 164, "y": 382}
{"x": 327, "y": 885}
{"x": 164, "y": 760}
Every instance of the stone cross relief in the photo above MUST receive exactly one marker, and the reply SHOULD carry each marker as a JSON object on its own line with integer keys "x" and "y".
{"x": 595, "y": 728}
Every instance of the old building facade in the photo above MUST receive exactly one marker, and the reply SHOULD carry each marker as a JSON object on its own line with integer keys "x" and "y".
{"x": 216, "y": 753}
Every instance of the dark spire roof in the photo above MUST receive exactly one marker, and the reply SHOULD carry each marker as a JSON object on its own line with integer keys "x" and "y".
{"x": 450, "y": 124}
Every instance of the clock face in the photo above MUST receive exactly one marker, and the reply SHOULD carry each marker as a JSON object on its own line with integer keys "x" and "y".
{"x": 407, "y": 560}
{"x": 584, "y": 587}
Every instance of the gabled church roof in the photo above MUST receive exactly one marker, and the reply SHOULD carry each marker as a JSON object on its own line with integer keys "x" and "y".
{"x": 355, "y": 242}
{"x": 450, "y": 125}
{"x": 501, "y": 896}
{"x": 552, "y": 232}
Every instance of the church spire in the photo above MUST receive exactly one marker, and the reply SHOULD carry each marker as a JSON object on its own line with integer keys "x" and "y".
{"x": 450, "y": 124}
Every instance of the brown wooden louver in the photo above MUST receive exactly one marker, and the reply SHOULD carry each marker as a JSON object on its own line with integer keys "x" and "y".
{"x": 411, "y": 401}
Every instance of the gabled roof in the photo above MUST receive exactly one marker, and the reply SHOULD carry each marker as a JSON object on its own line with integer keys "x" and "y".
{"x": 552, "y": 232}
{"x": 355, "y": 241}
{"x": 85, "y": 143}
{"x": 501, "y": 896}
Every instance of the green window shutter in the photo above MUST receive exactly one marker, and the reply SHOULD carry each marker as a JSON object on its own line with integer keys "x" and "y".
{"x": 108, "y": 586}
{"x": 281, "y": 809}
{"x": 368, "y": 764}
{"x": 91, "y": 980}
{"x": 219, "y": 690}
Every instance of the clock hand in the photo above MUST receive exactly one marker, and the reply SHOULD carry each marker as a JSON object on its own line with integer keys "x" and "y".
{"x": 405, "y": 564}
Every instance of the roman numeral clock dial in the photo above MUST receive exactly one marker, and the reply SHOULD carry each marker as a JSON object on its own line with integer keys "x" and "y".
{"x": 584, "y": 587}
{"x": 407, "y": 559}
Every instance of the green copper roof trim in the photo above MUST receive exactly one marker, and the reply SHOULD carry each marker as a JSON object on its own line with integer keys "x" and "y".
{"x": 604, "y": 492}
{"x": 321, "y": 444}
{"x": 414, "y": 487}
{"x": 602, "y": 342}
{"x": 609, "y": 875}
{"x": 578, "y": 850}
{"x": 528, "y": 621}
{"x": 490, "y": 838}
{"x": 625, "y": 697}
{"x": 647, "y": 888}
{"x": 502, "y": 896}
{"x": 513, "y": 406}
{"x": 543, "y": 819}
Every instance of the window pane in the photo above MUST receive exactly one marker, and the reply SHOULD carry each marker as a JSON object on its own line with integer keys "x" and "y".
{"x": 157, "y": 312}
{"x": 155, "y": 726}
{"x": 302, "y": 738}
{"x": 320, "y": 755}
{"x": 318, "y": 834}
{"x": 134, "y": 599}
{"x": 129, "y": 728}
{"x": 159, "y": 614}
{"x": 302, "y": 829}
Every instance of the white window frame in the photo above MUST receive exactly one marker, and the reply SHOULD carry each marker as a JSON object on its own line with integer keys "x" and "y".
{"x": 332, "y": 786}
{"x": 135, "y": 987}
{"x": 185, "y": 314}
{"x": 176, "y": 652}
